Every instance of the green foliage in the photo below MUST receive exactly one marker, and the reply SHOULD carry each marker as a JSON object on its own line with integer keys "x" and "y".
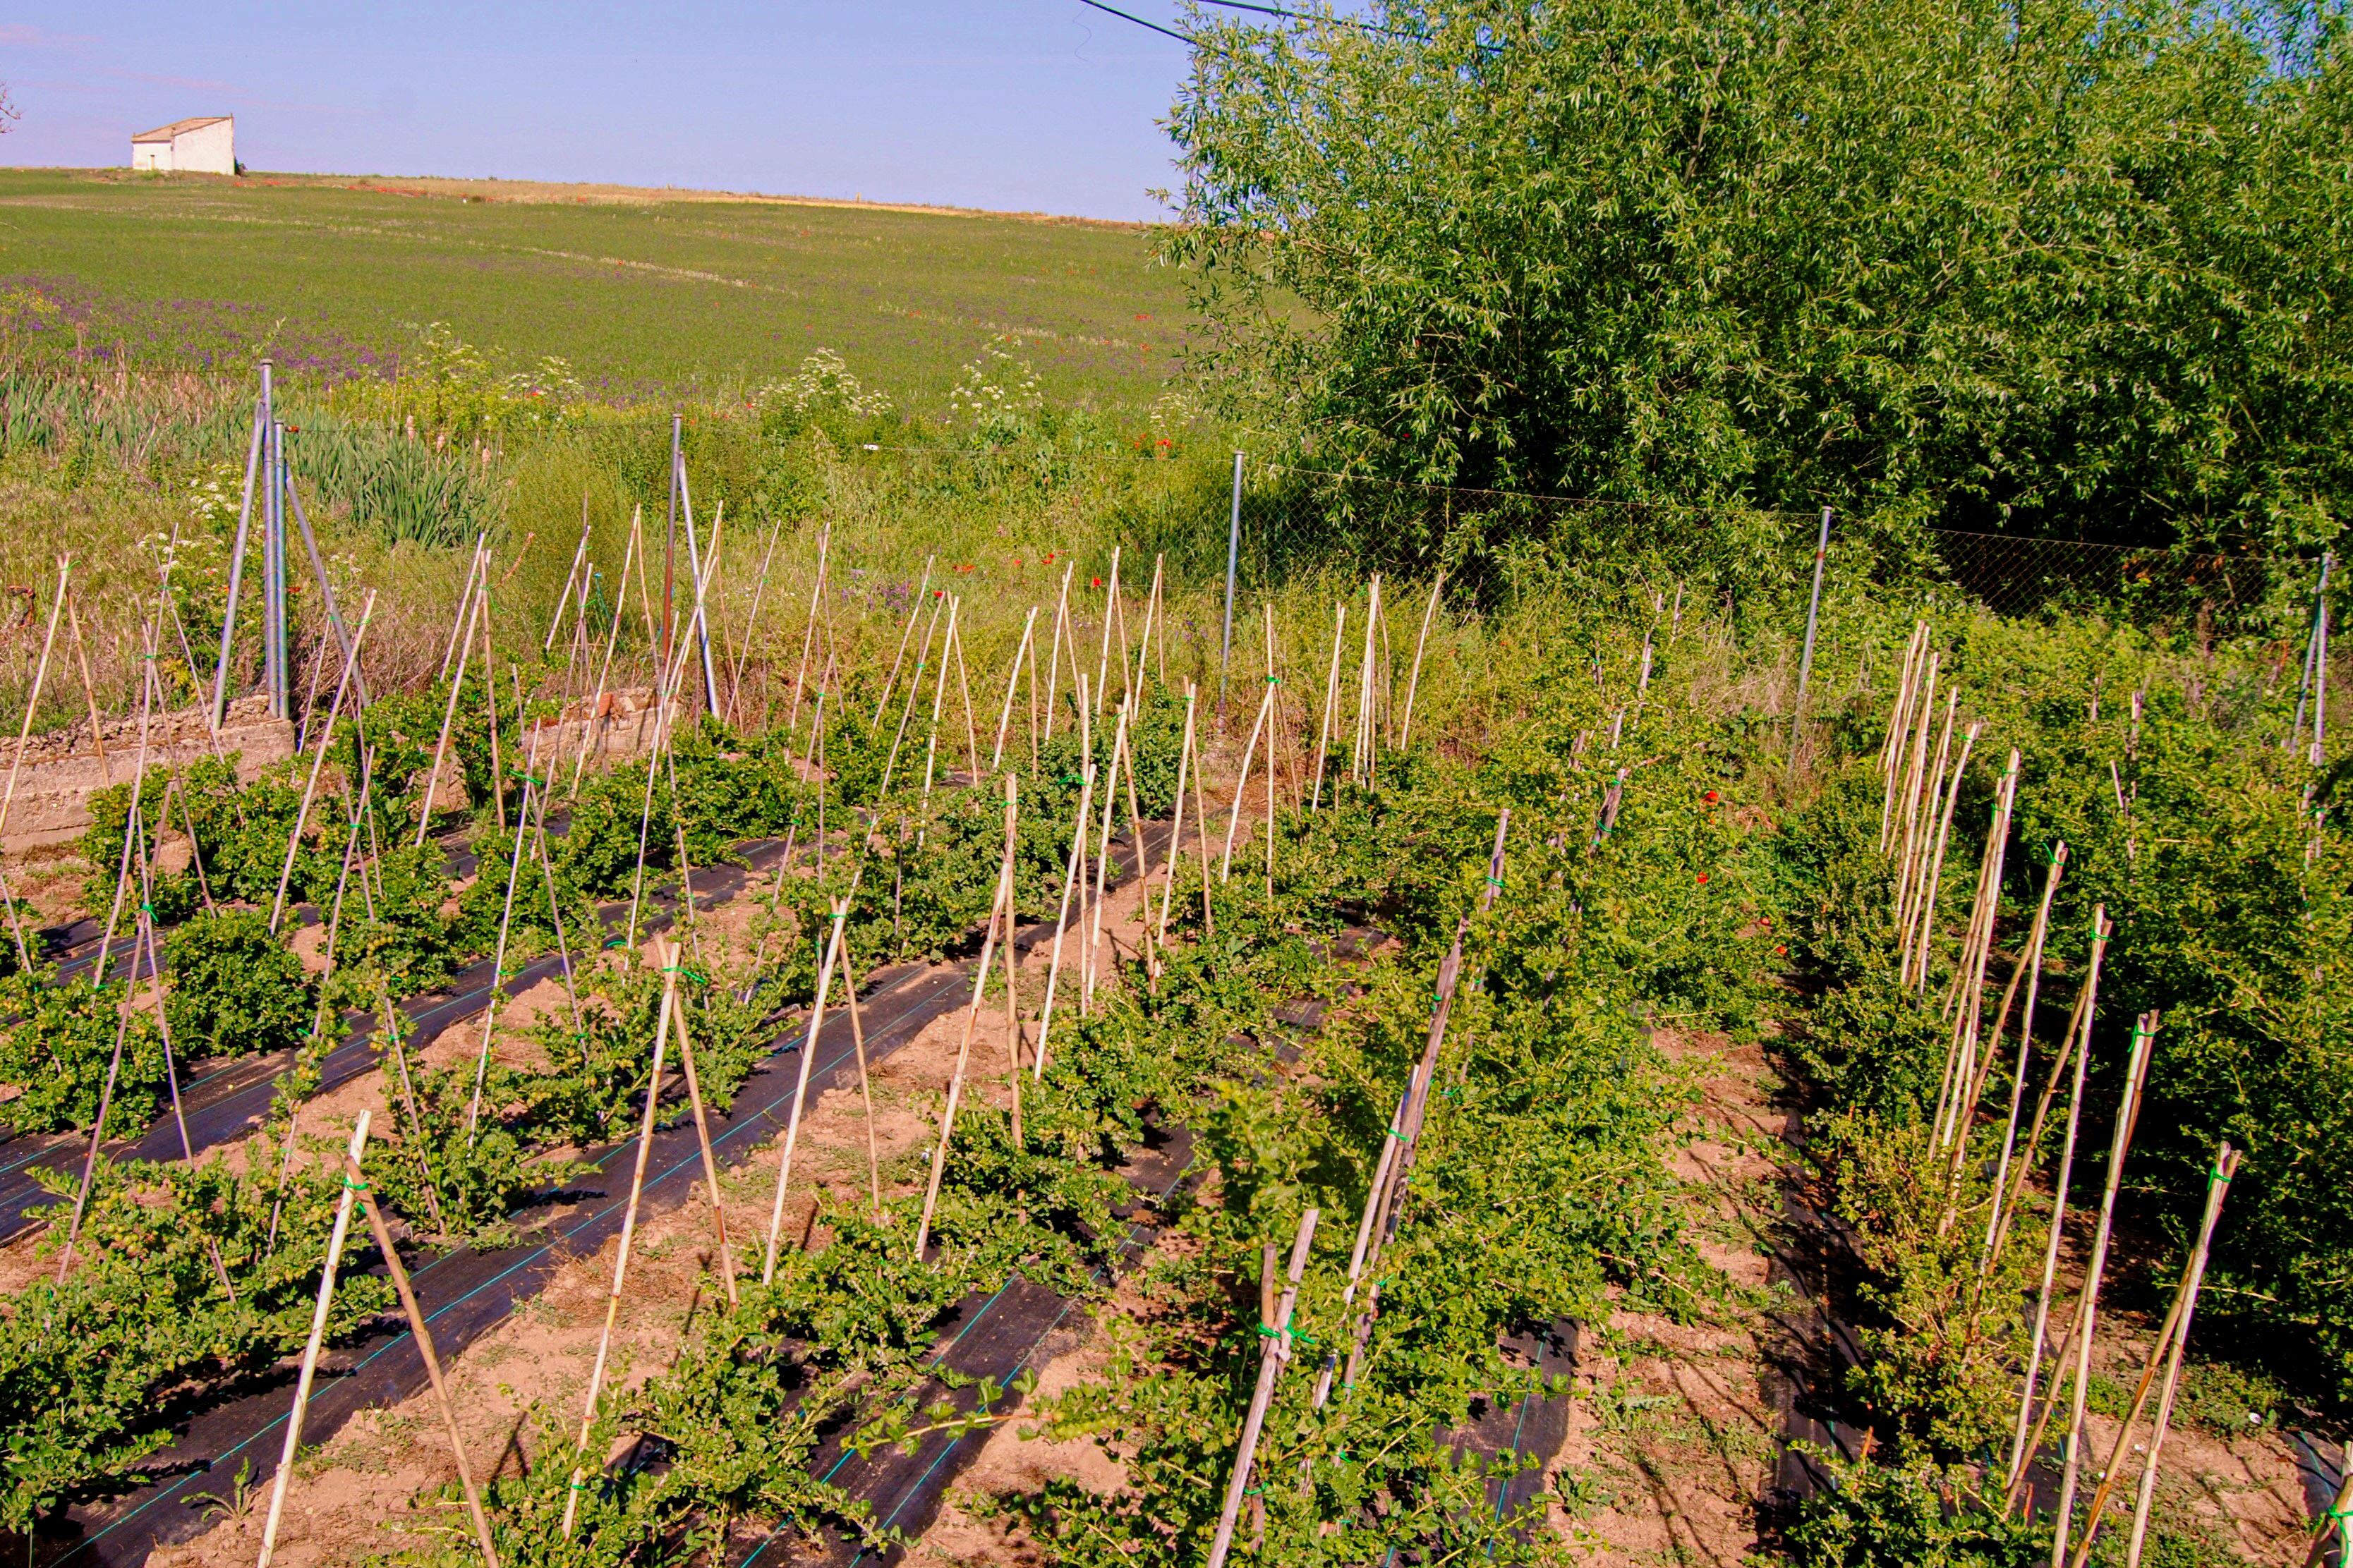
{"x": 235, "y": 988}
{"x": 56, "y": 1047}
{"x": 1909, "y": 1516}
{"x": 95, "y": 1373}
{"x": 2065, "y": 276}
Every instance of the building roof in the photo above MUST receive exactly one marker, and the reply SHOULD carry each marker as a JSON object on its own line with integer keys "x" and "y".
{"x": 181, "y": 127}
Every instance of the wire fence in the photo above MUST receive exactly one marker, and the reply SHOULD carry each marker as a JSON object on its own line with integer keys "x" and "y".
{"x": 1283, "y": 520}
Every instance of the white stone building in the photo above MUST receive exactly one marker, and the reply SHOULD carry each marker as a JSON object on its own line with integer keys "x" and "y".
{"x": 205, "y": 145}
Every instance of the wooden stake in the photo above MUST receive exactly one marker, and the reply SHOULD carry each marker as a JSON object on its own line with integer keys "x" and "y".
{"x": 1275, "y": 1351}
{"x": 449, "y": 717}
{"x": 351, "y": 1161}
{"x": 2087, "y": 1313}
{"x": 865, "y": 1089}
{"x": 670, "y": 953}
{"x": 808, "y": 632}
{"x": 353, "y": 1180}
{"x": 1055, "y": 664}
{"x": 620, "y": 1264}
{"x": 1175, "y": 838}
{"x": 318, "y": 761}
{"x": 2185, "y": 1305}
{"x": 1102, "y": 866}
{"x": 800, "y": 1088}
{"x": 1012, "y": 678}
{"x": 1003, "y": 903}
{"x": 592, "y": 724}
{"x": 2024, "y": 1443}
{"x": 1331, "y": 704}
{"x": 88, "y": 688}
{"x": 1405, "y": 734}
{"x": 1234, "y": 821}
{"x": 914, "y": 612}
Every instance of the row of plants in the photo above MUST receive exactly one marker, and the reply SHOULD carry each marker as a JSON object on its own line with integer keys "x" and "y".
{"x": 2200, "y": 834}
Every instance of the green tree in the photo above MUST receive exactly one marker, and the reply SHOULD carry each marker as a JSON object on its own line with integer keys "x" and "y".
{"x": 2054, "y": 267}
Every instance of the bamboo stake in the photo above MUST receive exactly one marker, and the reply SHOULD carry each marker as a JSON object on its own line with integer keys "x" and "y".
{"x": 2031, "y": 965}
{"x": 2185, "y": 1305}
{"x": 915, "y": 684}
{"x": 1273, "y": 749}
{"x": 318, "y": 761}
{"x": 1920, "y": 929}
{"x": 449, "y": 717}
{"x": 1012, "y": 1020}
{"x": 1054, "y": 664}
{"x": 620, "y": 1258}
{"x": 24, "y": 737}
{"x": 865, "y": 1088}
{"x": 2079, "y": 1040}
{"x": 460, "y": 623}
{"x": 671, "y": 999}
{"x": 592, "y": 724}
{"x": 2333, "y": 1523}
{"x": 1102, "y": 865}
{"x": 1373, "y": 1193}
{"x": 1071, "y": 873}
{"x": 1274, "y": 1352}
{"x": 1002, "y": 903}
{"x": 1360, "y": 766}
{"x": 1413, "y": 686}
{"x": 1330, "y": 703}
{"x": 2087, "y": 1314}
{"x": 1102, "y": 663}
{"x": 424, "y": 1337}
{"x": 1249, "y": 752}
{"x": 1908, "y": 889}
{"x": 800, "y": 1088}
{"x": 1012, "y": 681}
{"x": 1175, "y": 832}
{"x": 1143, "y": 860}
{"x": 914, "y": 612}
{"x": 1913, "y": 776}
{"x": 88, "y": 688}
{"x": 963, "y": 690}
{"x": 97, "y": 1137}
{"x": 809, "y": 631}
{"x": 351, "y": 1161}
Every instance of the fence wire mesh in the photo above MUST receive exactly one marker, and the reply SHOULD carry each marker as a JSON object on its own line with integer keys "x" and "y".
{"x": 1294, "y": 519}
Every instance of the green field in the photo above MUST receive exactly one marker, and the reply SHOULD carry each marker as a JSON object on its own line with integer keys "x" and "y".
{"x": 644, "y": 293}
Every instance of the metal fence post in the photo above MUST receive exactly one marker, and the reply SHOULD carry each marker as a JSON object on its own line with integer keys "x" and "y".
{"x": 2312, "y": 646}
{"x": 1233, "y": 548}
{"x": 1813, "y": 610}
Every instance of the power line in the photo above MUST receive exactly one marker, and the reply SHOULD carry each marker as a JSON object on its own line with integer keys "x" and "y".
{"x": 1329, "y": 21}
{"x": 1184, "y": 38}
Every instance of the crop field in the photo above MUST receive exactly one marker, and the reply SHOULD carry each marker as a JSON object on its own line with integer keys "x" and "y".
{"x": 644, "y": 293}
{"x": 859, "y": 1027}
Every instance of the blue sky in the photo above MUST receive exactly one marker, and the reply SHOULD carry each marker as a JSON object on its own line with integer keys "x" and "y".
{"x": 1037, "y": 105}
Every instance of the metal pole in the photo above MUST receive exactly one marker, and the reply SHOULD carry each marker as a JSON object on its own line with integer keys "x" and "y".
{"x": 670, "y": 550}
{"x": 2312, "y": 646}
{"x": 1233, "y": 548}
{"x": 236, "y": 560}
{"x": 273, "y": 575}
{"x": 1814, "y": 609}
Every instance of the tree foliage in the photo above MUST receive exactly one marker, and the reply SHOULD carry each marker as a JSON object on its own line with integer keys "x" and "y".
{"x": 2056, "y": 267}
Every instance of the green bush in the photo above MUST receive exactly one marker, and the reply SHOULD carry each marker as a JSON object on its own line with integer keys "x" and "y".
{"x": 235, "y": 988}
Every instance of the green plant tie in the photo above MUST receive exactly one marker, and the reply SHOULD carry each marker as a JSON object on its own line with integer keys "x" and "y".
{"x": 361, "y": 1187}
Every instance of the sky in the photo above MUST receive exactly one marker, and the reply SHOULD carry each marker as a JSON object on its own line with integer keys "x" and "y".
{"x": 1020, "y": 105}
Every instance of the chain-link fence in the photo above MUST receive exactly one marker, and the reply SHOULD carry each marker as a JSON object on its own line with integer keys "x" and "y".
{"x": 1284, "y": 519}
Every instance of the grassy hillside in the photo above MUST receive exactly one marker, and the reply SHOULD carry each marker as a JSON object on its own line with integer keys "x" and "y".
{"x": 643, "y": 291}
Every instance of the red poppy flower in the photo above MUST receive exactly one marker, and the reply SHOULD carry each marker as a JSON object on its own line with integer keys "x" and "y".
{"x": 1702, "y": 878}
{"x": 1095, "y": 583}
{"x": 1709, "y": 797}
{"x": 1781, "y": 950}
